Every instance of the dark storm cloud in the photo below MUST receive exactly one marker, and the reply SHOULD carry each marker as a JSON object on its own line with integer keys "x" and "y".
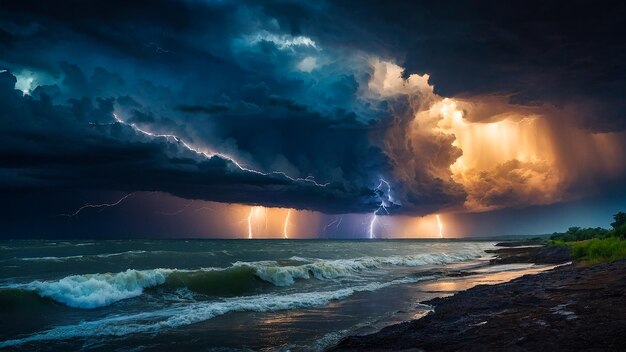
{"x": 189, "y": 69}
{"x": 275, "y": 84}
{"x": 47, "y": 147}
{"x": 537, "y": 52}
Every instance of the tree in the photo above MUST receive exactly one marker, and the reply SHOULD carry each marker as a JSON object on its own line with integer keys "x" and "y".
{"x": 620, "y": 220}
{"x": 573, "y": 230}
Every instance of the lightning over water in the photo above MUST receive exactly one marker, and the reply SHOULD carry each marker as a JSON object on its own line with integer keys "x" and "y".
{"x": 209, "y": 155}
{"x": 336, "y": 222}
{"x": 253, "y": 212}
{"x": 98, "y": 206}
{"x": 384, "y": 203}
{"x": 439, "y": 226}
{"x": 285, "y": 236}
{"x": 272, "y": 175}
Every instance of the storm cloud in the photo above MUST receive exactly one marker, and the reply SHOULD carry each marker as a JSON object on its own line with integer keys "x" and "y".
{"x": 309, "y": 105}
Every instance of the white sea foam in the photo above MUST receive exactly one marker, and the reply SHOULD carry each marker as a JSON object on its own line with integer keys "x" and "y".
{"x": 70, "y": 257}
{"x": 153, "y": 322}
{"x": 332, "y": 269}
{"x": 84, "y": 244}
{"x": 58, "y": 259}
{"x": 98, "y": 290}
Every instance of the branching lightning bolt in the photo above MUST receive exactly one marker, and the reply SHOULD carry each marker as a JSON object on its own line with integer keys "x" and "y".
{"x": 335, "y": 222}
{"x": 206, "y": 155}
{"x": 100, "y": 206}
{"x": 383, "y": 206}
{"x": 286, "y": 224}
{"x": 157, "y": 49}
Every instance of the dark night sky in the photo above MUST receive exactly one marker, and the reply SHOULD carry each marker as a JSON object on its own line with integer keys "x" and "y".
{"x": 308, "y": 105}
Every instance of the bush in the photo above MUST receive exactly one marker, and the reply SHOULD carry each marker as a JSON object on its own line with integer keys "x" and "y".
{"x": 580, "y": 234}
{"x": 598, "y": 250}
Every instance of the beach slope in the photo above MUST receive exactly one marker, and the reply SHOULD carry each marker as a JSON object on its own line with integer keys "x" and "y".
{"x": 569, "y": 308}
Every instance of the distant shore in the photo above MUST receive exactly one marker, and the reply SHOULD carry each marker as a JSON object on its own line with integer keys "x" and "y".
{"x": 571, "y": 307}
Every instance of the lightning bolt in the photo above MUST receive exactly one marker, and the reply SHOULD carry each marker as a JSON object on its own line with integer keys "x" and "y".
{"x": 253, "y": 212}
{"x": 157, "y": 48}
{"x": 286, "y": 224}
{"x": 204, "y": 208}
{"x": 339, "y": 223}
{"x": 101, "y": 206}
{"x": 372, "y": 223}
{"x": 336, "y": 221}
{"x": 172, "y": 137}
{"x": 250, "y": 223}
{"x": 383, "y": 206}
{"x": 330, "y": 224}
{"x": 440, "y": 226}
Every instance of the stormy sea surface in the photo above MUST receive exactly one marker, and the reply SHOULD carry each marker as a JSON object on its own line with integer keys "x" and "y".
{"x": 226, "y": 295}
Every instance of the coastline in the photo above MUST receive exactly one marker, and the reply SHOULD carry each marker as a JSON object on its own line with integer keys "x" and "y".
{"x": 571, "y": 307}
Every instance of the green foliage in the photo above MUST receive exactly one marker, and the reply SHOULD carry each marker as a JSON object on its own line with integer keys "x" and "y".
{"x": 595, "y": 245}
{"x": 620, "y": 221}
{"x": 619, "y": 225}
{"x": 620, "y": 232}
{"x": 598, "y": 250}
{"x": 580, "y": 234}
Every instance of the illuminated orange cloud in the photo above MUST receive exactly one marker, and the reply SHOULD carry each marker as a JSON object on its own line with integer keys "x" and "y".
{"x": 483, "y": 153}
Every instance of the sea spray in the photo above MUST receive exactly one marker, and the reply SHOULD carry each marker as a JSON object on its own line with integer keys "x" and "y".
{"x": 153, "y": 322}
{"x": 98, "y": 290}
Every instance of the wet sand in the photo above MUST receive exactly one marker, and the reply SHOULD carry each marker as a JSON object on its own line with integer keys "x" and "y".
{"x": 569, "y": 308}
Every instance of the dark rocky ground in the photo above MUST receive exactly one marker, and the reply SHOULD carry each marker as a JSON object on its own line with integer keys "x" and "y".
{"x": 537, "y": 255}
{"x": 570, "y": 308}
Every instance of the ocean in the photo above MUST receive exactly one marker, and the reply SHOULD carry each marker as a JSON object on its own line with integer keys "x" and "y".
{"x": 226, "y": 295}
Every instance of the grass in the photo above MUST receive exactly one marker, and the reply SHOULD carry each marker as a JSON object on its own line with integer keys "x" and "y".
{"x": 597, "y": 250}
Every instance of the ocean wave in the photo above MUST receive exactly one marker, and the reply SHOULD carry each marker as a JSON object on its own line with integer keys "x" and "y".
{"x": 84, "y": 244}
{"x": 24, "y": 301}
{"x": 322, "y": 269}
{"x": 231, "y": 281}
{"x": 98, "y": 290}
{"x": 286, "y": 275}
{"x": 153, "y": 322}
{"x": 81, "y": 256}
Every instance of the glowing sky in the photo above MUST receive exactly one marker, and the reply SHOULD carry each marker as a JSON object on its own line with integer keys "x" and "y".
{"x": 264, "y": 119}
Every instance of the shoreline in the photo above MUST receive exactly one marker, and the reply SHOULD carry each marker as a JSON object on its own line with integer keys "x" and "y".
{"x": 571, "y": 307}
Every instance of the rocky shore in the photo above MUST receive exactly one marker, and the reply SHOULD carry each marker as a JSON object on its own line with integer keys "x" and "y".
{"x": 570, "y": 308}
{"x": 528, "y": 254}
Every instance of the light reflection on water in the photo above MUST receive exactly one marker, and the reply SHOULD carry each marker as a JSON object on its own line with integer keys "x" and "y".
{"x": 295, "y": 329}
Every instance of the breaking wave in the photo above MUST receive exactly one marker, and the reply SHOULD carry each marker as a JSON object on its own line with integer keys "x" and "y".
{"x": 98, "y": 290}
{"x": 152, "y": 322}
